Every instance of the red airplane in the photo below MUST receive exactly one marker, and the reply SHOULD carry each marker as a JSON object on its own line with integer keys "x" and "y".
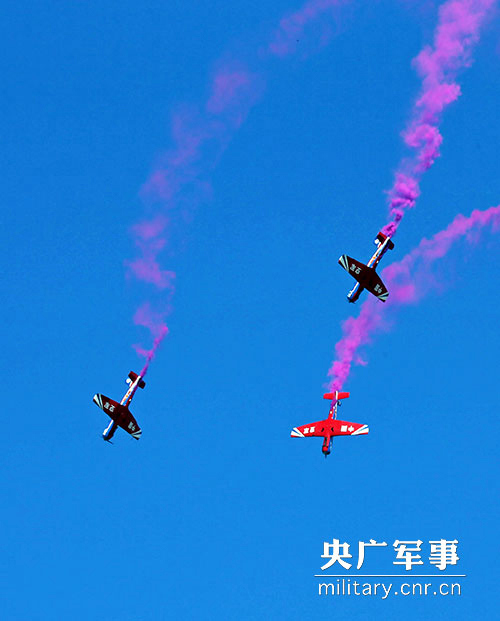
{"x": 331, "y": 426}
{"x": 119, "y": 413}
{"x": 366, "y": 275}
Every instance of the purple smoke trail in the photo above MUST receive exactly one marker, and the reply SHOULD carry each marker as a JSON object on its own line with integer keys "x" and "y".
{"x": 180, "y": 179}
{"x": 146, "y": 317}
{"x": 409, "y": 280}
{"x": 150, "y": 354}
{"x": 456, "y": 34}
{"x": 200, "y": 137}
{"x": 292, "y": 27}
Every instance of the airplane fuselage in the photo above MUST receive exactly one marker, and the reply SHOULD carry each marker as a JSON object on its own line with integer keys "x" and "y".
{"x": 327, "y": 442}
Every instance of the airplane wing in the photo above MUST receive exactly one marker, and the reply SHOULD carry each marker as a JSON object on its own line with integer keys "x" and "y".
{"x": 344, "y": 428}
{"x": 111, "y": 407}
{"x": 356, "y": 269}
{"x": 377, "y": 287}
{"x": 130, "y": 425}
{"x": 319, "y": 429}
{"x": 330, "y": 427}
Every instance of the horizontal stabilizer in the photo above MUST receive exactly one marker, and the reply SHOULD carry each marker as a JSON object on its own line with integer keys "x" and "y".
{"x": 338, "y": 395}
{"x": 381, "y": 239}
{"x": 132, "y": 377}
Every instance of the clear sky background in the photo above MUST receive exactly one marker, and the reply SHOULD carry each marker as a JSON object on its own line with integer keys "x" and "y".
{"x": 217, "y": 513}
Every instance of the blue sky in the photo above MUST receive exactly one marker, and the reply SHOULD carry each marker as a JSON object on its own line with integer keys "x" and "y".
{"x": 216, "y": 512}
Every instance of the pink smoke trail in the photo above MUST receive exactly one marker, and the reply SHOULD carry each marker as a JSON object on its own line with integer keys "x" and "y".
{"x": 147, "y": 317}
{"x": 292, "y": 27}
{"x": 200, "y": 136}
{"x": 408, "y": 280}
{"x": 180, "y": 178}
{"x": 151, "y": 353}
{"x": 179, "y": 181}
{"x": 456, "y": 34}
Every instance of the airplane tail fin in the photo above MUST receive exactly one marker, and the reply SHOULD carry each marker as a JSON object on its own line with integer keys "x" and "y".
{"x": 132, "y": 377}
{"x": 366, "y": 276}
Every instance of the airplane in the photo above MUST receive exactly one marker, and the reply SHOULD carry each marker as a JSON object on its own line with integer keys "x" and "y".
{"x": 330, "y": 427}
{"x": 119, "y": 413}
{"x": 365, "y": 274}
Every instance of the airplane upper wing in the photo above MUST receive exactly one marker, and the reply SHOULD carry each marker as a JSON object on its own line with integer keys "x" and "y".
{"x": 380, "y": 239}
